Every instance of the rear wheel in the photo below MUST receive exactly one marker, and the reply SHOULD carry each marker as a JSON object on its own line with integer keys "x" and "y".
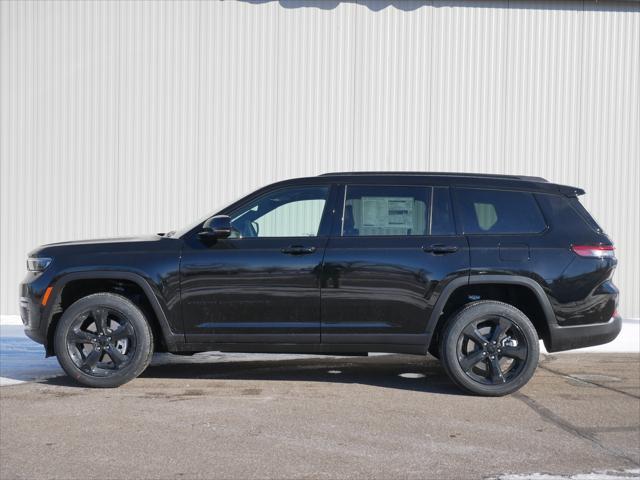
{"x": 103, "y": 340}
{"x": 490, "y": 348}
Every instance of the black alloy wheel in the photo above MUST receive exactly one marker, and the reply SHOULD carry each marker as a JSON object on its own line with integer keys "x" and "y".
{"x": 489, "y": 348}
{"x": 492, "y": 351}
{"x": 103, "y": 340}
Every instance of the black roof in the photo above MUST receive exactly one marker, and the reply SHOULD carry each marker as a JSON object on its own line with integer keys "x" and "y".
{"x": 518, "y": 182}
{"x": 437, "y": 174}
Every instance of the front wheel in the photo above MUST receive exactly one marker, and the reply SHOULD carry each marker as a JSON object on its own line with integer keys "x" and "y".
{"x": 103, "y": 340}
{"x": 490, "y": 348}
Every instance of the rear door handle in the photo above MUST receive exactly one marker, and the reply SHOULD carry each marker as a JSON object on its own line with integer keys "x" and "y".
{"x": 298, "y": 250}
{"x": 440, "y": 249}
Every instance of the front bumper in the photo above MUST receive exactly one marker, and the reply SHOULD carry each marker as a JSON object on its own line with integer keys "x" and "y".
{"x": 32, "y": 313}
{"x": 580, "y": 336}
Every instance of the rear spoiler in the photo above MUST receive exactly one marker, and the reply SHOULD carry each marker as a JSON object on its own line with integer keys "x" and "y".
{"x": 570, "y": 191}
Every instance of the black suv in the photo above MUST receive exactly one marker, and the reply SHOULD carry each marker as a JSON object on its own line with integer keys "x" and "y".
{"x": 471, "y": 268}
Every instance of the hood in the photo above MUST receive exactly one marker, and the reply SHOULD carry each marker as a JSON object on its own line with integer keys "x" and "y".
{"x": 98, "y": 245}
{"x": 106, "y": 241}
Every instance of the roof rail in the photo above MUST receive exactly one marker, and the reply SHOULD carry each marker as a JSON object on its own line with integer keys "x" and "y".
{"x": 440, "y": 174}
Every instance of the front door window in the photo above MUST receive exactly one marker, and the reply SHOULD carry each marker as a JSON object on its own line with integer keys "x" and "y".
{"x": 288, "y": 212}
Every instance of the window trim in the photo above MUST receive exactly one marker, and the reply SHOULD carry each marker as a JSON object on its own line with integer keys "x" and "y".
{"x": 430, "y": 219}
{"x": 456, "y": 231}
{"x": 459, "y": 220}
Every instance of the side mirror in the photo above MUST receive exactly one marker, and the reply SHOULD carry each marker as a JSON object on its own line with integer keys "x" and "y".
{"x": 216, "y": 227}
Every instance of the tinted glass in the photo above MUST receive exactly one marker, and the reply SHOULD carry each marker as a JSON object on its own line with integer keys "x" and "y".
{"x": 499, "y": 211}
{"x": 288, "y": 212}
{"x": 441, "y": 216}
{"x": 575, "y": 203}
{"x": 385, "y": 210}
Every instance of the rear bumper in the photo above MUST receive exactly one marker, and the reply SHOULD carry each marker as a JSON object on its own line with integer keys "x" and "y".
{"x": 580, "y": 336}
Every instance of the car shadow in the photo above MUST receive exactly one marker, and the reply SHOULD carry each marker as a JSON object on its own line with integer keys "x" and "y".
{"x": 402, "y": 372}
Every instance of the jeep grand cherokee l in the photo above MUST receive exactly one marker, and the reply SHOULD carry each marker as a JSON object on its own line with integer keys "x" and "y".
{"x": 472, "y": 268}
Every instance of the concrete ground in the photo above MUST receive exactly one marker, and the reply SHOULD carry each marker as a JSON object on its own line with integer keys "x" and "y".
{"x": 363, "y": 417}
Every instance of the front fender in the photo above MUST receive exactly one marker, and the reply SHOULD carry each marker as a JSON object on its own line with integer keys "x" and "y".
{"x": 172, "y": 336}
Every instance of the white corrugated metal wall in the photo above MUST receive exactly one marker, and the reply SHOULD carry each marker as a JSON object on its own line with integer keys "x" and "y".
{"x": 122, "y": 118}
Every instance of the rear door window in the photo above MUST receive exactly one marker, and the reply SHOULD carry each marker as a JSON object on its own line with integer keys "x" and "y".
{"x": 498, "y": 212}
{"x": 384, "y": 210}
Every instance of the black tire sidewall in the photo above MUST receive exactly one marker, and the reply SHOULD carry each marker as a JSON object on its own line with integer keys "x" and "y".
{"x": 453, "y": 329}
{"x": 144, "y": 340}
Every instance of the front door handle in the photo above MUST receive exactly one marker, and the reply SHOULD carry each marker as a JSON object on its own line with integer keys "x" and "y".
{"x": 440, "y": 249}
{"x": 298, "y": 250}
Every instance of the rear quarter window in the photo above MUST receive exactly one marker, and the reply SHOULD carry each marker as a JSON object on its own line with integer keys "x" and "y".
{"x": 584, "y": 213}
{"x": 484, "y": 211}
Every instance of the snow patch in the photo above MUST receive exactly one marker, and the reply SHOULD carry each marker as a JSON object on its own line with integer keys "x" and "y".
{"x": 597, "y": 475}
{"x": 5, "y": 382}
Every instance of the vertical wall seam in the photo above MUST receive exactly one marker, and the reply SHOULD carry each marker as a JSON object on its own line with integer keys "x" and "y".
{"x": 198, "y": 109}
{"x": 504, "y": 160}
{"x": 582, "y": 24}
{"x": 118, "y": 121}
{"x": 37, "y": 190}
{"x": 431, "y": 90}
{"x": 354, "y": 89}
{"x": 277, "y": 103}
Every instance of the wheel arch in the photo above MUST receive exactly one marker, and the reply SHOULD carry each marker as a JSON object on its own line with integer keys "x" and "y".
{"x": 110, "y": 281}
{"x": 523, "y": 293}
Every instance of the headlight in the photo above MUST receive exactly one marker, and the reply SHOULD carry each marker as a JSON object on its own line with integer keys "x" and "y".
{"x": 38, "y": 264}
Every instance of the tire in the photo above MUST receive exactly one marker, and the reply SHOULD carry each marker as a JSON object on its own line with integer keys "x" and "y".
{"x": 103, "y": 340}
{"x": 489, "y": 348}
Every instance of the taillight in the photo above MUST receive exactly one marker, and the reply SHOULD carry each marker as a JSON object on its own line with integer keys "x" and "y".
{"x": 594, "y": 251}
